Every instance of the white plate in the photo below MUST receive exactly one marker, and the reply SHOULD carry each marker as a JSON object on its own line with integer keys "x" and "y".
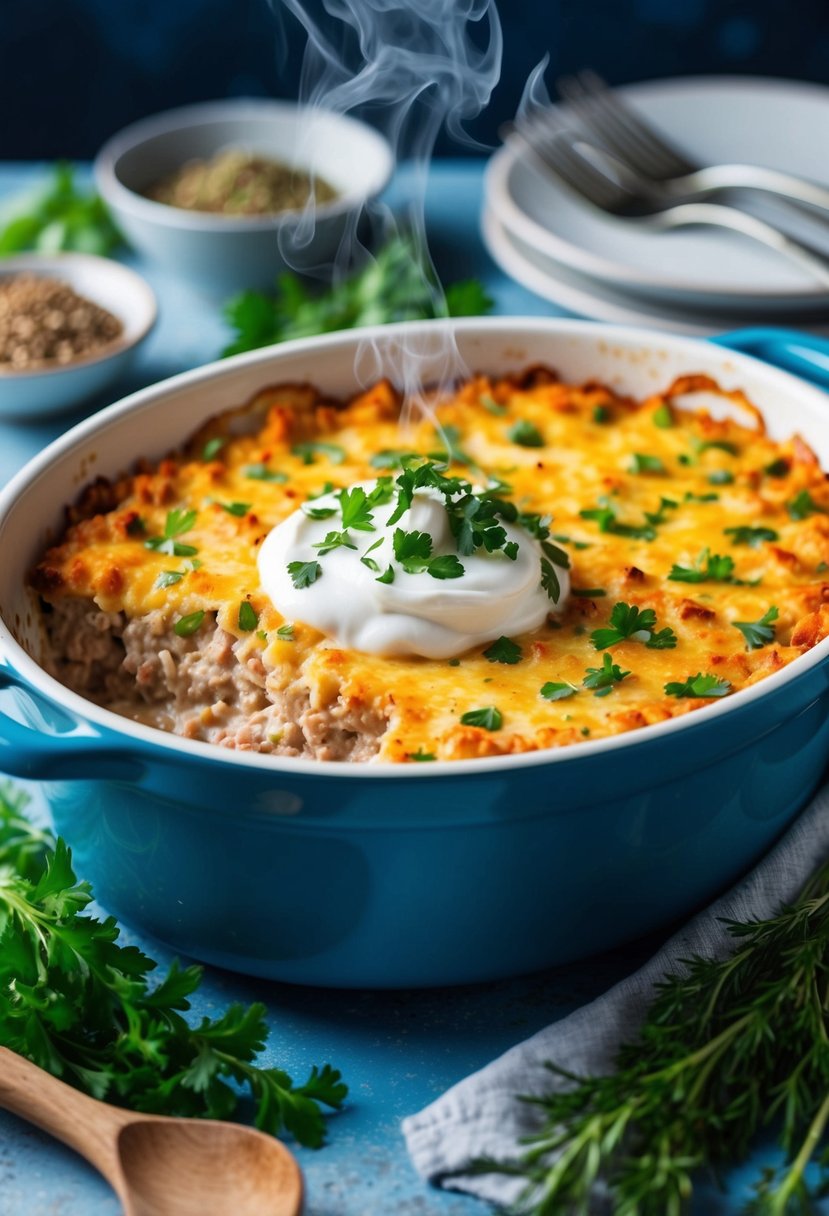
{"x": 780, "y": 124}
{"x": 582, "y": 296}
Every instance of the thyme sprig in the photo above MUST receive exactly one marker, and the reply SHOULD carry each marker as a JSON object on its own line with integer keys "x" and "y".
{"x": 728, "y": 1047}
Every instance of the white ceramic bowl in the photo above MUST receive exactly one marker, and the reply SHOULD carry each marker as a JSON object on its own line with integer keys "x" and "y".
{"x": 54, "y": 390}
{"x": 228, "y": 253}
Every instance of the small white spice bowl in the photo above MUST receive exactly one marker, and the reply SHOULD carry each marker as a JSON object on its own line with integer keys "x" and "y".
{"x": 223, "y": 254}
{"x": 55, "y": 388}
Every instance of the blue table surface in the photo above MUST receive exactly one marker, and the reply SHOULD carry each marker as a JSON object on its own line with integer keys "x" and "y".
{"x": 399, "y": 1050}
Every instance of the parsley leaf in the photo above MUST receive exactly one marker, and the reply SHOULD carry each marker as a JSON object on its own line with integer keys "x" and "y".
{"x": 212, "y": 448}
{"x": 758, "y": 633}
{"x": 720, "y": 477}
{"x": 445, "y": 565}
{"x": 632, "y": 624}
{"x": 185, "y": 626}
{"x": 313, "y": 448}
{"x": 334, "y": 540}
{"x": 641, "y": 463}
{"x": 491, "y": 405}
{"x": 412, "y": 549}
{"x": 59, "y": 217}
{"x": 285, "y": 633}
{"x": 605, "y": 516}
{"x": 553, "y": 691}
{"x": 387, "y": 576}
{"x": 699, "y": 686}
{"x": 392, "y": 458}
{"x": 261, "y": 472}
{"x": 356, "y": 509}
{"x": 503, "y": 650}
{"x": 803, "y": 505}
{"x": 777, "y": 468}
{"x": 526, "y": 435}
{"x": 248, "y": 620}
{"x": 603, "y": 678}
{"x": 303, "y": 574}
{"x": 662, "y": 416}
{"x": 318, "y": 512}
{"x": 176, "y": 523}
{"x": 549, "y": 580}
{"x": 602, "y": 415}
{"x": 420, "y": 755}
{"x": 168, "y": 578}
{"x": 239, "y": 509}
{"x": 708, "y": 567}
{"x": 747, "y": 535}
{"x": 720, "y": 445}
{"x": 489, "y": 718}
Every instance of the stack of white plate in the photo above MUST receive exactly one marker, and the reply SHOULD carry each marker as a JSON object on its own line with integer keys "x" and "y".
{"x": 691, "y": 281}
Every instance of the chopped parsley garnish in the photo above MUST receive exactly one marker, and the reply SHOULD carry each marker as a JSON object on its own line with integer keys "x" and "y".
{"x": 602, "y": 679}
{"x": 413, "y": 550}
{"x": 303, "y": 574}
{"x": 308, "y": 452}
{"x": 489, "y": 718}
{"x": 642, "y": 463}
{"x": 176, "y": 524}
{"x": 318, "y": 512}
{"x": 369, "y": 561}
{"x": 605, "y": 516}
{"x": 387, "y": 576}
{"x": 803, "y": 505}
{"x": 758, "y": 633}
{"x": 248, "y": 620}
{"x": 662, "y": 416}
{"x": 526, "y": 435}
{"x": 777, "y": 468}
{"x": 503, "y": 650}
{"x": 452, "y": 451}
{"x": 261, "y": 472}
{"x": 747, "y": 535}
{"x": 392, "y": 458}
{"x": 602, "y": 415}
{"x": 262, "y": 634}
{"x": 187, "y": 625}
{"x": 558, "y": 691}
{"x": 356, "y": 509}
{"x": 168, "y": 578}
{"x": 720, "y": 477}
{"x": 720, "y": 445}
{"x": 707, "y": 568}
{"x": 420, "y": 755}
{"x": 491, "y": 405}
{"x": 660, "y": 517}
{"x": 549, "y": 580}
{"x": 691, "y": 497}
{"x": 588, "y": 593}
{"x": 699, "y": 686}
{"x": 239, "y": 509}
{"x": 212, "y": 448}
{"x": 285, "y": 633}
{"x": 631, "y": 624}
{"x": 334, "y": 540}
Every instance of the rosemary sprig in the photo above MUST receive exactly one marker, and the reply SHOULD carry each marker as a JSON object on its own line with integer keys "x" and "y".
{"x": 728, "y": 1047}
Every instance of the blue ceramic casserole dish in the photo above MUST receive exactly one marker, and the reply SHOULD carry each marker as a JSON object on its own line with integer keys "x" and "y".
{"x": 383, "y": 875}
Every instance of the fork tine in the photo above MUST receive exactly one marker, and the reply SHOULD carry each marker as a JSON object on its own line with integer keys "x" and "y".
{"x": 664, "y": 159}
{"x": 574, "y": 169}
{"x": 601, "y": 119}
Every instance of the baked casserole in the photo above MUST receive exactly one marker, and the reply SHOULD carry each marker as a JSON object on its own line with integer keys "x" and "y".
{"x": 683, "y": 556}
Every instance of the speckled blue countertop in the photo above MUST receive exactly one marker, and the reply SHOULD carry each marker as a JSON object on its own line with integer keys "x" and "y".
{"x": 397, "y": 1050}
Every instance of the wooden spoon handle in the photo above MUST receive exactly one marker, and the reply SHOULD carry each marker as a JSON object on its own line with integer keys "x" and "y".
{"x": 86, "y": 1125}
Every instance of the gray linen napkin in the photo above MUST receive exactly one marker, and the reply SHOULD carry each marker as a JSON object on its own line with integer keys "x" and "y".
{"x": 481, "y": 1116}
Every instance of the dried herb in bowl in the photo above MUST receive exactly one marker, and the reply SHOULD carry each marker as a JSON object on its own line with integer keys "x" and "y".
{"x": 235, "y": 182}
{"x": 44, "y": 321}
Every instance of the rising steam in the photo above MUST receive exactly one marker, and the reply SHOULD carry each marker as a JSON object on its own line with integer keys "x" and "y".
{"x": 411, "y": 67}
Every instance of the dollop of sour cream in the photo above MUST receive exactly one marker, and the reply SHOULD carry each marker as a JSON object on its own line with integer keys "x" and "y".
{"x": 415, "y": 613}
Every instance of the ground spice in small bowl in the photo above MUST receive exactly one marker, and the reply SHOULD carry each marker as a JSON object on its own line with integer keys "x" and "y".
{"x": 234, "y": 182}
{"x": 43, "y": 321}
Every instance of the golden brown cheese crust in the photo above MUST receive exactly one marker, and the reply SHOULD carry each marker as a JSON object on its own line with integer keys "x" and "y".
{"x": 715, "y": 474}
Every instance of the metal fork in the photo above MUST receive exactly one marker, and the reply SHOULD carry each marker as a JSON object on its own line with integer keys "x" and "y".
{"x": 579, "y": 165}
{"x": 616, "y": 126}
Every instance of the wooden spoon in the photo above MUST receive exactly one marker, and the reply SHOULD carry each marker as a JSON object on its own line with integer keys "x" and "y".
{"x": 159, "y": 1166}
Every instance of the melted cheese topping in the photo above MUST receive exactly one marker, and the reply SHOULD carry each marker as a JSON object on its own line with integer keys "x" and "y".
{"x": 661, "y": 485}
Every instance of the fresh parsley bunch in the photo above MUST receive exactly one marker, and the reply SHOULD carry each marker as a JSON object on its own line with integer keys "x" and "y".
{"x": 79, "y": 1004}
{"x": 394, "y": 286}
{"x": 727, "y": 1048}
{"x": 58, "y": 216}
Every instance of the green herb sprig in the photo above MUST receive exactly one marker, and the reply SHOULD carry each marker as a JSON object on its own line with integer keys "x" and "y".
{"x": 80, "y": 1005}
{"x": 58, "y": 216}
{"x": 728, "y": 1048}
{"x": 395, "y": 286}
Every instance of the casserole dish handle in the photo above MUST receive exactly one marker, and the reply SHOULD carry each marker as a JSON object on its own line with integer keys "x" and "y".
{"x": 50, "y": 753}
{"x": 804, "y": 355}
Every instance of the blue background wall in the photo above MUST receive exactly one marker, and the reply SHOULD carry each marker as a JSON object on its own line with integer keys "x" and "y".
{"x": 74, "y": 71}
